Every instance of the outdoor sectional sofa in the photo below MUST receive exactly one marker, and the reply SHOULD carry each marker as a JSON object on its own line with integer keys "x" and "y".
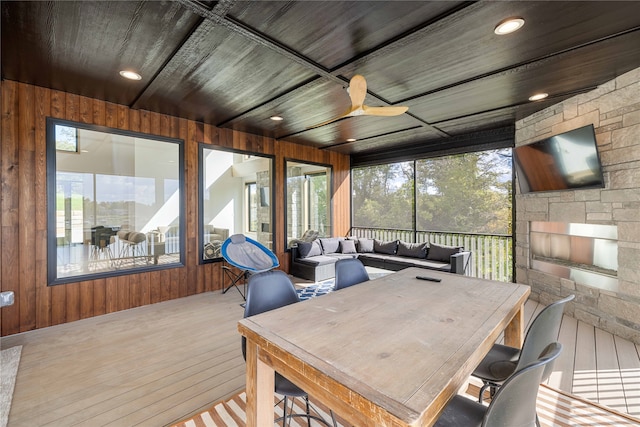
{"x": 316, "y": 260}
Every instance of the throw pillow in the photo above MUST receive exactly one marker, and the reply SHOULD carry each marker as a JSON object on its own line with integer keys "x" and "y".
{"x": 442, "y": 252}
{"x": 365, "y": 245}
{"x": 413, "y": 250}
{"x": 348, "y": 246}
{"x": 309, "y": 249}
{"x": 309, "y": 236}
{"x": 210, "y": 251}
{"x": 330, "y": 245}
{"x": 388, "y": 248}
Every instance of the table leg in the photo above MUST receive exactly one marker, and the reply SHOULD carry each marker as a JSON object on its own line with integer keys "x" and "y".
{"x": 260, "y": 389}
{"x": 514, "y": 332}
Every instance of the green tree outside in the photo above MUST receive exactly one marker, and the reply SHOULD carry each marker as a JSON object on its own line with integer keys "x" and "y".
{"x": 467, "y": 193}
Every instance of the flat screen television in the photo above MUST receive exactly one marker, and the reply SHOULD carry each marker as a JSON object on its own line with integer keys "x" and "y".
{"x": 567, "y": 161}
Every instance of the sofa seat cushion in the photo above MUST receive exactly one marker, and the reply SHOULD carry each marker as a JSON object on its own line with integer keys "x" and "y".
{"x": 423, "y": 263}
{"x": 318, "y": 260}
{"x": 374, "y": 256}
{"x": 395, "y": 262}
{"x": 338, "y": 256}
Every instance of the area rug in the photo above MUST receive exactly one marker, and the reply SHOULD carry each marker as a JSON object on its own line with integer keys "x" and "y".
{"x": 9, "y": 361}
{"x": 312, "y": 291}
{"x": 555, "y": 409}
{"x": 231, "y": 412}
{"x": 326, "y": 286}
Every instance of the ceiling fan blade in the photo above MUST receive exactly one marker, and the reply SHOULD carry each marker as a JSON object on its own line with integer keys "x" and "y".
{"x": 335, "y": 119}
{"x": 384, "y": 111}
{"x": 357, "y": 90}
{"x": 357, "y": 93}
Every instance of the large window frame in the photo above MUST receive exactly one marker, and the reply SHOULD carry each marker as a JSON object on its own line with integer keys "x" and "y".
{"x": 420, "y": 190}
{"x": 209, "y": 251}
{"x": 328, "y": 231}
{"x": 97, "y": 254}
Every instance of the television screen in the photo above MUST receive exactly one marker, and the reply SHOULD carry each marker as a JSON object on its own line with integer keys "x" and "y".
{"x": 264, "y": 196}
{"x": 562, "y": 162}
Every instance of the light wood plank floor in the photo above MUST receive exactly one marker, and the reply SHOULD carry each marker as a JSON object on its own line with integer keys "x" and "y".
{"x": 157, "y": 364}
{"x": 148, "y": 366}
{"x": 595, "y": 364}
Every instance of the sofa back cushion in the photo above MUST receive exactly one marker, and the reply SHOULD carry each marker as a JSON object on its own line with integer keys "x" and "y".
{"x": 330, "y": 245}
{"x": 442, "y": 252}
{"x": 365, "y": 245}
{"x": 309, "y": 249}
{"x": 412, "y": 250}
{"x": 348, "y": 246}
{"x": 388, "y": 248}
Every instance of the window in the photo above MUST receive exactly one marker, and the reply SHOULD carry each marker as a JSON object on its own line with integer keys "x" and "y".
{"x": 251, "y": 206}
{"x": 234, "y": 190}
{"x": 466, "y": 193}
{"x": 116, "y": 201}
{"x": 383, "y": 196}
{"x": 308, "y": 190}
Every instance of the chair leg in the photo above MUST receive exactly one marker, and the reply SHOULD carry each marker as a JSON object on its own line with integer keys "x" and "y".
{"x": 493, "y": 387}
{"x": 284, "y": 418}
{"x": 482, "y": 390}
{"x": 492, "y": 391}
{"x": 306, "y": 401}
{"x": 308, "y": 414}
{"x": 333, "y": 418}
{"x": 235, "y": 278}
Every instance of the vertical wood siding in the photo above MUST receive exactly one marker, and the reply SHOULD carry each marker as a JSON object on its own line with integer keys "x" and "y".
{"x": 23, "y": 208}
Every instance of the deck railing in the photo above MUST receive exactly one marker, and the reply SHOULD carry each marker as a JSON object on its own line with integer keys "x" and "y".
{"x": 491, "y": 254}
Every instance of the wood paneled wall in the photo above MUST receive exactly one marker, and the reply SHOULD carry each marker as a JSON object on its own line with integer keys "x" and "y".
{"x": 23, "y": 207}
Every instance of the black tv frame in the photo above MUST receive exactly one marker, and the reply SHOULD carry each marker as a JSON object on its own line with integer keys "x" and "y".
{"x": 525, "y": 172}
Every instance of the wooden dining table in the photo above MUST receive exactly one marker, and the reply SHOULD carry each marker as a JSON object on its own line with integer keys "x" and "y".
{"x": 387, "y": 352}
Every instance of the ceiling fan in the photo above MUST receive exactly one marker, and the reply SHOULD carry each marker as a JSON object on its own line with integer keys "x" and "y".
{"x": 357, "y": 92}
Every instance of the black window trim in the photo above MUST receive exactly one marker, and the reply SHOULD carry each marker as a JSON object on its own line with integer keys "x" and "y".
{"x": 51, "y": 165}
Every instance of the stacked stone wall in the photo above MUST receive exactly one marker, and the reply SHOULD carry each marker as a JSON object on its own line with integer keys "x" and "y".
{"x": 614, "y": 110}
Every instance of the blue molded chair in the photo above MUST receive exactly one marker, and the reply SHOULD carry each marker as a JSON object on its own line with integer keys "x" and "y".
{"x": 349, "y": 272}
{"x": 249, "y": 256}
{"x": 268, "y": 291}
{"x": 514, "y": 404}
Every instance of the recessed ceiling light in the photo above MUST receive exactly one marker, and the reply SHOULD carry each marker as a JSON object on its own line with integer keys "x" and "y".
{"x": 351, "y": 140}
{"x": 538, "y": 96}
{"x": 508, "y": 26}
{"x": 131, "y": 75}
{"x": 276, "y": 118}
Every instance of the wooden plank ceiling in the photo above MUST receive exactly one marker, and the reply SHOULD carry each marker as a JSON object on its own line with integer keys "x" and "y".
{"x": 235, "y": 64}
